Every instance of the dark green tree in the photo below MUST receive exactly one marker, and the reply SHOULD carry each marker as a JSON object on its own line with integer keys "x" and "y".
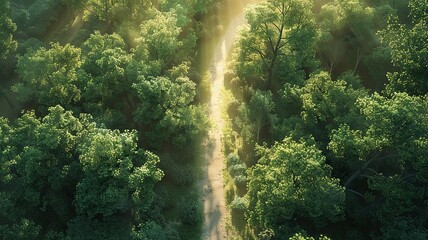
{"x": 63, "y": 176}
{"x": 409, "y": 51}
{"x": 386, "y": 161}
{"x": 7, "y": 27}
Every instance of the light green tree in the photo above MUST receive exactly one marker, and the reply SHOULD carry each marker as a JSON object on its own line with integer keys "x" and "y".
{"x": 327, "y": 103}
{"x": 49, "y": 76}
{"x": 159, "y": 42}
{"x": 291, "y": 180}
{"x": 166, "y": 111}
{"x": 106, "y": 87}
{"x": 281, "y": 38}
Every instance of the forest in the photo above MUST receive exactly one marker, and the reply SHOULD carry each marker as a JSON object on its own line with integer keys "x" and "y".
{"x": 105, "y": 112}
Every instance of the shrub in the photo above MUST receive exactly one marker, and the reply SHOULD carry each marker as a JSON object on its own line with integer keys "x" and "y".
{"x": 184, "y": 175}
{"x": 240, "y": 181}
{"x": 192, "y": 212}
{"x": 233, "y": 159}
{"x": 237, "y": 170}
{"x": 239, "y": 203}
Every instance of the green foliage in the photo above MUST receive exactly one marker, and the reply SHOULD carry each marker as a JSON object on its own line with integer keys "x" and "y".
{"x": 113, "y": 12}
{"x": 304, "y": 236}
{"x": 409, "y": 51}
{"x": 49, "y": 76}
{"x": 403, "y": 228}
{"x": 292, "y": 180}
{"x": 183, "y": 175}
{"x": 151, "y": 230}
{"x": 192, "y": 212}
{"x": 22, "y": 230}
{"x": 253, "y": 117}
{"x": 105, "y": 61}
{"x": 7, "y": 27}
{"x": 238, "y": 203}
{"x": 232, "y": 159}
{"x": 75, "y": 173}
{"x": 391, "y": 153}
{"x": 328, "y": 103}
{"x": 270, "y": 49}
{"x": 166, "y": 108}
{"x": 159, "y": 42}
{"x": 104, "y": 79}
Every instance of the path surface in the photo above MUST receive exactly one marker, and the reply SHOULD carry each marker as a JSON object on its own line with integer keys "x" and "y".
{"x": 215, "y": 211}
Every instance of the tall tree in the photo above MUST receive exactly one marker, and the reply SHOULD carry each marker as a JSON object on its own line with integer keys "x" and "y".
{"x": 282, "y": 36}
{"x": 347, "y": 30}
{"x": 327, "y": 103}
{"x": 159, "y": 43}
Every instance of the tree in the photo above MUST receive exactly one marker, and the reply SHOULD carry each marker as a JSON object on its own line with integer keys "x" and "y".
{"x": 291, "y": 180}
{"x": 346, "y": 25}
{"x": 304, "y": 236}
{"x": 261, "y": 107}
{"x": 254, "y": 122}
{"x": 102, "y": 9}
{"x": 115, "y": 11}
{"x": 258, "y": 113}
{"x": 328, "y": 103}
{"x": 282, "y": 37}
{"x": 61, "y": 173}
{"x": 386, "y": 160}
{"x": 159, "y": 42}
{"x": 7, "y": 27}
{"x": 409, "y": 51}
{"x": 166, "y": 112}
{"x": 106, "y": 88}
{"x": 49, "y": 76}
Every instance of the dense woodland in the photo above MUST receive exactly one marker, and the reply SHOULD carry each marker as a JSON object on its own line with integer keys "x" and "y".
{"x": 326, "y": 107}
{"x": 113, "y": 114}
{"x": 327, "y": 135}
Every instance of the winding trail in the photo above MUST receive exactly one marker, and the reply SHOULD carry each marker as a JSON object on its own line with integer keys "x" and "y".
{"x": 215, "y": 211}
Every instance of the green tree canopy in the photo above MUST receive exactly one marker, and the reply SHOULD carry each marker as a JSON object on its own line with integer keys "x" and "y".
{"x": 389, "y": 157}
{"x": 409, "y": 50}
{"x": 292, "y": 180}
{"x": 59, "y": 173}
{"x": 327, "y": 103}
{"x": 279, "y": 43}
{"x": 159, "y": 42}
{"x": 49, "y": 76}
{"x": 106, "y": 87}
{"x": 166, "y": 110}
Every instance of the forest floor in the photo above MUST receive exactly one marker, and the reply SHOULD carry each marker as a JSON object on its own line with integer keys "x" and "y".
{"x": 215, "y": 211}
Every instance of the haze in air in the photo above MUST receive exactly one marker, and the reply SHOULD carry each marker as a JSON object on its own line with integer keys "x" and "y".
{"x": 204, "y": 119}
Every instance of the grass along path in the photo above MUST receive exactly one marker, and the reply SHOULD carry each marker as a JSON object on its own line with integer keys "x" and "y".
{"x": 215, "y": 211}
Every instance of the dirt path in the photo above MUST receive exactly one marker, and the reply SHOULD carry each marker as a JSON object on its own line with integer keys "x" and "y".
{"x": 215, "y": 211}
